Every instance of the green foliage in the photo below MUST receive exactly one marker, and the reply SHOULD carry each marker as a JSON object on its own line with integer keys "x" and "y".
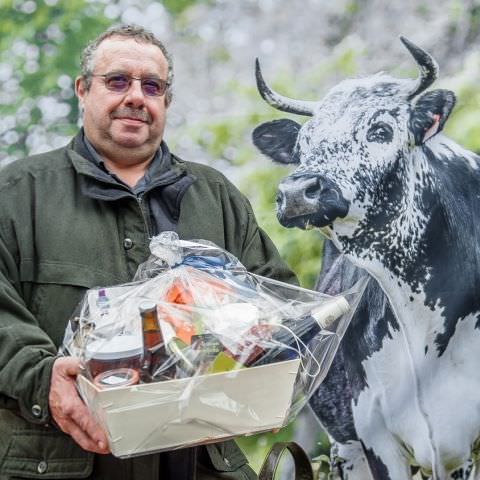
{"x": 256, "y": 447}
{"x": 42, "y": 42}
{"x": 176, "y": 7}
{"x": 352, "y": 7}
{"x": 300, "y": 249}
{"x": 346, "y": 62}
{"x": 464, "y": 123}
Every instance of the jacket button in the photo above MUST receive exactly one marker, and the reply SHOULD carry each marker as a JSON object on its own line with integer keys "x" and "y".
{"x": 37, "y": 411}
{"x": 127, "y": 243}
{"x": 42, "y": 467}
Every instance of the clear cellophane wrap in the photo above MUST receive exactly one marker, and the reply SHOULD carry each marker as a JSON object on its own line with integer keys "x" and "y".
{"x": 218, "y": 322}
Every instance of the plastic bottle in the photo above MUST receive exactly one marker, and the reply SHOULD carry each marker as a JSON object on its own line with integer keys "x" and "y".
{"x": 103, "y": 303}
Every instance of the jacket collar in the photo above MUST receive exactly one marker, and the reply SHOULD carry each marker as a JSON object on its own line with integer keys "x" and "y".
{"x": 98, "y": 183}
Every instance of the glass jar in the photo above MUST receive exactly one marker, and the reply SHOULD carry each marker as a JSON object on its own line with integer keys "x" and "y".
{"x": 121, "y": 351}
{"x": 119, "y": 377}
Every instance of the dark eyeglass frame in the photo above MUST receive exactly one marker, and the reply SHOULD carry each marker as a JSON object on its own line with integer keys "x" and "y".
{"x": 108, "y": 78}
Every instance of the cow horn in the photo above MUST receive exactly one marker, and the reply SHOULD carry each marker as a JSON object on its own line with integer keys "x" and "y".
{"x": 280, "y": 102}
{"x": 428, "y": 68}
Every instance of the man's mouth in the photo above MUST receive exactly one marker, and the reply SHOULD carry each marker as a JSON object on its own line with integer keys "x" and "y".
{"x": 130, "y": 119}
{"x": 131, "y": 115}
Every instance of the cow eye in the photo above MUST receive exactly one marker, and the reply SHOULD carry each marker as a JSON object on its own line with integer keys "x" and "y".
{"x": 380, "y": 132}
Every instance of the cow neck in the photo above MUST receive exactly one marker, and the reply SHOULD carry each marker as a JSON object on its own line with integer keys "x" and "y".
{"x": 423, "y": 274}
{"x": 389, "y": 235}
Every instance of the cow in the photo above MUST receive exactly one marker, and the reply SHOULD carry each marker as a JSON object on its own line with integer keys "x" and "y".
{"x": 397, "y": 198}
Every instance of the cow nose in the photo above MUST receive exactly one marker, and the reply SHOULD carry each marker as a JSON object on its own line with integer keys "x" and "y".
{"x": 299, "y": 194}
{"x": 309, "y": 199}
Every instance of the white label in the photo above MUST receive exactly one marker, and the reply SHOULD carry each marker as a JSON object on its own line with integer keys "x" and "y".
{"x": 113, "y": 380}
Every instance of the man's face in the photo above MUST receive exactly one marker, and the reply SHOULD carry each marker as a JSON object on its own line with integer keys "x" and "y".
{"x": 128, "y": 123}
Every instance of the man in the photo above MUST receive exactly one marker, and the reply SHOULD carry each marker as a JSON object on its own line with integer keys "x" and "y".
{"x": 81, "y": 216}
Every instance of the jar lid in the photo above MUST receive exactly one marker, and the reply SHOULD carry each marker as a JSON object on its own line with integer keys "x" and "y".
{"x": 120, "y": 346}
{"x": 118, "y": 377}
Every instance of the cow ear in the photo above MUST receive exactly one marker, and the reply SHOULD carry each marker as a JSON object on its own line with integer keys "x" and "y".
{"x": 430, "y": 113}
{"x": 276, "y": 140}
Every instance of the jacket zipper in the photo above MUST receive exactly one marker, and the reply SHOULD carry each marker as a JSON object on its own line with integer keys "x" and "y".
{"x": 145, "y": 216}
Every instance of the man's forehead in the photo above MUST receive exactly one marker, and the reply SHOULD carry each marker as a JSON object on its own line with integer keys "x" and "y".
{"x": 125, "y": 53}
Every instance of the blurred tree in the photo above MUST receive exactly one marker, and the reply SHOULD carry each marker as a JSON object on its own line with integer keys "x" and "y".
{"x": 39, "y": 58}
{"x": 40, "y": 43}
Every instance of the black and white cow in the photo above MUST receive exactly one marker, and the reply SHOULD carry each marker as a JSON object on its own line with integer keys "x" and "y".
{"x": 399, "y": 199}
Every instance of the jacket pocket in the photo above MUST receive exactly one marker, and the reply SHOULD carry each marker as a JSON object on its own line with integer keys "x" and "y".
{"x": 28, "y": 451}
{"x": 64, "y": 272}
{"x": 52, "y": 291}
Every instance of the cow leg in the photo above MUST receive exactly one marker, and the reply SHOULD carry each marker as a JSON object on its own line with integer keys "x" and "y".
{"x": 348, "y": 462}
{"x": 475, "y": 475}
{"x": 465, "y": 472}
{"x": 384, "y": 454}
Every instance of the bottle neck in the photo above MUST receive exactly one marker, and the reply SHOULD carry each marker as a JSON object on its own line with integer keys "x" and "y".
{"x": 152, "y": 334}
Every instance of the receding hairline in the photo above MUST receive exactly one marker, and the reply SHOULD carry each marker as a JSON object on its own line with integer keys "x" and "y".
{"x": 121, "y": 38}
{"x": 88, "y": 58}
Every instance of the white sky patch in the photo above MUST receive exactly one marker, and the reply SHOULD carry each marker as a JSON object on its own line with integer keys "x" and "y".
{"x": 52, "y": 109}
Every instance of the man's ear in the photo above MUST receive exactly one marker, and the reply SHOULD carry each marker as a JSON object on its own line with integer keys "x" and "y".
{"x": 430, "y": 113}
{"x": 276, "y": 140}
{"x": 80, "y": 87}
{"x": 167, "y": 98}
{"x": 80, "y": 90}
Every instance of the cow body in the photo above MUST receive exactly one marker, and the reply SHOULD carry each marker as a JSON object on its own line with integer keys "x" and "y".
{"x": 401, "y": 201}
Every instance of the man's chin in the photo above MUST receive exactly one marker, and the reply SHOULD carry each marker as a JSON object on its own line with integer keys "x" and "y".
{"x": 130, "y": 140}
{"x": 129, "y": 143}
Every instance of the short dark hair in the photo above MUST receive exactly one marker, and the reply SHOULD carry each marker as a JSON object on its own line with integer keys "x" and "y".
{"x": 140, "y": 34}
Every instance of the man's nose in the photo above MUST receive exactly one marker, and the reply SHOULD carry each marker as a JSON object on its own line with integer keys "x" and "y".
{"x": 135, "y": 95}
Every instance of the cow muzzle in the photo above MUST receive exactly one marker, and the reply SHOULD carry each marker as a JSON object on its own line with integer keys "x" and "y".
{"x": 309, "y": 200}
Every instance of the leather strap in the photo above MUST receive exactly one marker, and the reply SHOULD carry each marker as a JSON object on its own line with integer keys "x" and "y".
{"x": 303, "y": 468}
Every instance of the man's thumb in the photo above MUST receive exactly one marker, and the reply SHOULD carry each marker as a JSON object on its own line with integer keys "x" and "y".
{"x": 68, "y": 366}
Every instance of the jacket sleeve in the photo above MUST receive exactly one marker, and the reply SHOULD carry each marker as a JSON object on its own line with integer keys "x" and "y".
{"x": 256, "y": 251}
{"x": 27, "y": 353}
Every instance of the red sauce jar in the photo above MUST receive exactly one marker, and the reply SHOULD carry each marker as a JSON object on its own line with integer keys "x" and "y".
{"x": 121, "y": 351}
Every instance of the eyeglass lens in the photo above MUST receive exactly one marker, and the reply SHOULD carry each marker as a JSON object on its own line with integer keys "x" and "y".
{"x": 120, "y": 82}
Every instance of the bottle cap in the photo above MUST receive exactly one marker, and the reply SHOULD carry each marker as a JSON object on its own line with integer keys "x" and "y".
{"x": 147, "y": 307}
{"x": 329, "y": 311}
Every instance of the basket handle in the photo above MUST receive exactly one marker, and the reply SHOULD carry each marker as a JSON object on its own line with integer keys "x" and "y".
{"x": 303, "y": 467}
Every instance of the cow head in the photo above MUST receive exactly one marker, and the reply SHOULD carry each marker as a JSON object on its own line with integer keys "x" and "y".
{"x": 357, "y": 140}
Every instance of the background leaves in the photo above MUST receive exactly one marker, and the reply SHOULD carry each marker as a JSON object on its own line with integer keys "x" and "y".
{"x": 305, "y": 48}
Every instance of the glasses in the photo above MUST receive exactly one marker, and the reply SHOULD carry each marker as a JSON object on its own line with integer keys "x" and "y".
{"x": 120, "y": 83}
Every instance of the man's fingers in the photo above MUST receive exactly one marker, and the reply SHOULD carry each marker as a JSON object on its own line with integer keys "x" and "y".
{"x": 77, "y": 413}
{"x": 87, "y": 423}
{"x": 82, "y": 439}
{"x": 67, "y": 366}
{"x": 69, "y": 412}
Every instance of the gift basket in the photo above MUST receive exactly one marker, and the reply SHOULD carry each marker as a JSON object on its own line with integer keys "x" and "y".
{"x": 196, "y": 349}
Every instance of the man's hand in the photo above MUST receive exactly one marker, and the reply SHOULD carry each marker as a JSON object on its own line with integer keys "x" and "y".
{"x": 68, "y": 410}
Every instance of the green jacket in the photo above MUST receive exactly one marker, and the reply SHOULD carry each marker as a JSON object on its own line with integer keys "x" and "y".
{"x": 59, "y": 235}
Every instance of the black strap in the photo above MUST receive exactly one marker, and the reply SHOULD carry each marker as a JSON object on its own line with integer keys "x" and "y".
{"x": 303, "y": 468}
